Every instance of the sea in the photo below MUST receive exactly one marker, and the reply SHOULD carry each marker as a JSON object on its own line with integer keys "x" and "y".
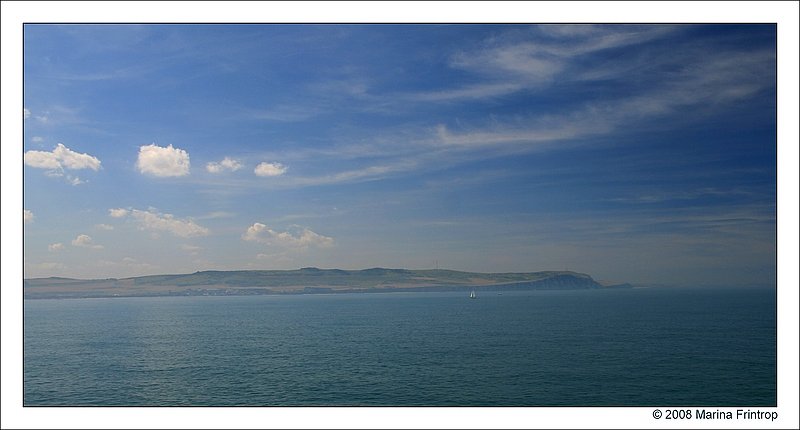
{"x": 602, "y": 347}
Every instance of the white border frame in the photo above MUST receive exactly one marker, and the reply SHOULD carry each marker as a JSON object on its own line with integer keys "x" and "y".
{"x": 785, "y": 14}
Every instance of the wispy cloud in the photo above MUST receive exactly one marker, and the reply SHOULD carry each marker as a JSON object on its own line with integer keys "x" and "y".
{"x": 540, "y": 132}
{"x": 717, "y": 82}
{"x": 513, "y": 62}
{"x": 55, "y": 247}
{"x": 712, "y": 81}
{"x": 151, "y": 220}
{"x": 367, "y": 173}
{"x": 471, "y": 92}
{"x": 155, "y": 221}
{"x": 301, "y": 239}
{"x": 27, "y": 216}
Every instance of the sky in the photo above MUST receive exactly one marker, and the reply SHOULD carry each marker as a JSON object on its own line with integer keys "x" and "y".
{"x": 633, "y": 153}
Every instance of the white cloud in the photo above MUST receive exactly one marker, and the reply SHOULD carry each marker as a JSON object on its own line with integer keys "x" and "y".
{"x": 163, "y": 162}
{"x": 227, "y": 163}
{"x": 167, "y": 222}
{"x": 155, "y": 222}
{"x": 85, "y": 241}
{"x": 59, "y": 159}
{"x": 27, "y": 216}
{"x": 104, "y": 227}
{"x": 75, "y": 160}
{"x": 37, "y": 139}
{"x": 230, "y": 163}
{"x": 26, "y": 113}
{"x": 55, "y": 247}
{"x": 270, "y": 169}
{"x": 117, "y": 213}
{"x": 302, "y": 239}
{"x": 41, "y": 160}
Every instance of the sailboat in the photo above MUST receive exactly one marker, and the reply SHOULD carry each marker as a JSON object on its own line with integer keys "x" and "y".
{"x": 472, "y": 295}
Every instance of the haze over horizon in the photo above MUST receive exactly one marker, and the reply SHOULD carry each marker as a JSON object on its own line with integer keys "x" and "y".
{"x": 632, "y": 153}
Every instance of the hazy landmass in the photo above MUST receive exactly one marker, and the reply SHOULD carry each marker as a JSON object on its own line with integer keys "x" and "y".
{"x": 308, "y": 280}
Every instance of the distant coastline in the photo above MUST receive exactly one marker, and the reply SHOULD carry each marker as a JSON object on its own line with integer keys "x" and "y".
{"x": 309, "y": 280}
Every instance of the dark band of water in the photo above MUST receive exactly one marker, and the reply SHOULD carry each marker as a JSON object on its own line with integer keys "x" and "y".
{"x": 537, "y": 348}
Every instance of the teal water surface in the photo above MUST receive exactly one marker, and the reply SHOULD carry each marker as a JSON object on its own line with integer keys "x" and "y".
{"x": 627, "y": 347}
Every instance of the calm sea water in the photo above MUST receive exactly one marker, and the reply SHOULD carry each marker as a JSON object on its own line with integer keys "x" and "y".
{"x": 607, "y": 348}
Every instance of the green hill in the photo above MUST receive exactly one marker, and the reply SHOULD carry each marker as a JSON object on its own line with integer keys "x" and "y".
{"x": 307, "y": 280}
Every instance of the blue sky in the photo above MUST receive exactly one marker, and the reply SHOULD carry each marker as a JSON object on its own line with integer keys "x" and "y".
{"x": 642, "y": 154}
